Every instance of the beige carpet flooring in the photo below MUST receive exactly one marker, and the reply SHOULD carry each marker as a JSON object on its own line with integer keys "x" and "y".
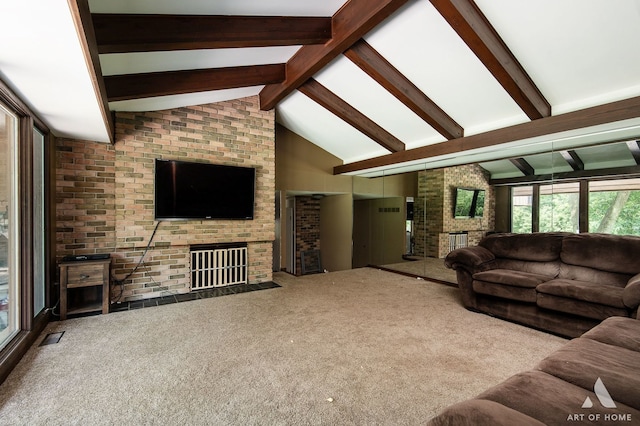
{"x": 355, "y": 347}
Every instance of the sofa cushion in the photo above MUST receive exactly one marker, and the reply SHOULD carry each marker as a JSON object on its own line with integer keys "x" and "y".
{"x": 479, "y": 412}
{"x": 545, "y": 397}
{"x": 550, "y": 269}
{"x": 510, "y": 292}
{"x": 515, "y": 285}
{"x": 539, "y": 247}
{"x": 619, "y": 331}
{"x": 511, "y": 277}
{"x": 582, "y": 361}
{"x": 531, "y": 314}
{"x": 583, "y": 290}
{"x": 613, "y": 253}
{"x": 583, "y": 273}
{"x": 578, "y": 307}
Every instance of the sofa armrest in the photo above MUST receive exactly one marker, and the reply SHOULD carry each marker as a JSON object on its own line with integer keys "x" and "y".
{"x": 467, "y": 261}
{"x": 473, "y": 259}
{"x": 631, "y": 293}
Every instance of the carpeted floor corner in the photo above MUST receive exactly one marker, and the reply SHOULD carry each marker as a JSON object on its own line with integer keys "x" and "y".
{"x": 354, "y": 347}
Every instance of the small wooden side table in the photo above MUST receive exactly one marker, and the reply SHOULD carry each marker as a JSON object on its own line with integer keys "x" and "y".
{"x": 78, "y": 275}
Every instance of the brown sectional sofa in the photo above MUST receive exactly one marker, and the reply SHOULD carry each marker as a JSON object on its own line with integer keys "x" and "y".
{"x": 559, "y": 282}
{"x": 562, "y": 388}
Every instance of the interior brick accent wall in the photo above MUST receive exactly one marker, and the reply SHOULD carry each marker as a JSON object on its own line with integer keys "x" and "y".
{"x": 428, "y": 208}
{"x": 115, "y": 215}
{"x": 433, "y": 208}
{"x": 307, "y": 212}
{"x": 85, "y": 197}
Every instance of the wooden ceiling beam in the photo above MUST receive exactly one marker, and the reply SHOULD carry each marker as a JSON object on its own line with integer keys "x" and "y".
{"x": 145, "y": 85}
{"x": 634, "y": 147}
{"x": 573, "y": 159}
{"x": 599, "y": 174}
{"x": 81, "y": 16}
{"x": 118, "y": 33}
{"x": 476, "y": 31}
{"x": 378, "y": 68}
{"x": 349, "y": 114}
{"x": 593, "y": 116}
{"x": 350, "y": 23}
{"x": 524, "y": 166}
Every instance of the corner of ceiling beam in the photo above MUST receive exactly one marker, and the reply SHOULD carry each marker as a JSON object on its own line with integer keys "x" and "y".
{"x": 473, "y": 27}
{"x": 350, "y": 23}
{"x": 81, "y": 16}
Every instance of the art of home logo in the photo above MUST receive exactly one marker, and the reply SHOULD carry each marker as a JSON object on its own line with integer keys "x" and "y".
{"x": 605, "y": 401}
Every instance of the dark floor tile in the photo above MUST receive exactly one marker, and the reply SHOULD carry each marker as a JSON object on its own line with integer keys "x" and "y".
{"x": 194, "y": 295}
{"x": 207, "y": 294}
{"x": 185, "y": 297}
{"x": 119, "y": 307}
{"x": 167, "y": 300}
{"x": 224, "y": 291}
{"x": 148, "y": 303}
{"x": 138, "y": 304}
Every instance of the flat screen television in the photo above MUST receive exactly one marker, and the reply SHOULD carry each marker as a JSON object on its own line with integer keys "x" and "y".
{"x": 468, "y": 203}
{"x": 197, "y": 191}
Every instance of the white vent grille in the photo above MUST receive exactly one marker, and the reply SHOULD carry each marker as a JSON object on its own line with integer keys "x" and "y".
{"x": 218, "y": 267}
{"x": 458, "y": 240}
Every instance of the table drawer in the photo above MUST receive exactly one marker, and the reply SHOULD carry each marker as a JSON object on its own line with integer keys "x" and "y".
{"x": 85, "y": 275}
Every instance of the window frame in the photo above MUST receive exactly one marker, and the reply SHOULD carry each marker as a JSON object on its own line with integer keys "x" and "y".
{"x": 583, "y": 199}
{"x": 30, "y": 324}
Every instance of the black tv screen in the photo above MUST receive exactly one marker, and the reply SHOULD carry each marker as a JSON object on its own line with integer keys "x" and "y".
{"x": 469, "y": 203}
{"x": 190, "y": 190}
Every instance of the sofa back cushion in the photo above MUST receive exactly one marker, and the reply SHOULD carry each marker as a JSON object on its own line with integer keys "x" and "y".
{"x": 548, "y": 269}
{"x": 611, "y": 253}
{"x": 583, "y": 273}
{"x": 536, "y": 247}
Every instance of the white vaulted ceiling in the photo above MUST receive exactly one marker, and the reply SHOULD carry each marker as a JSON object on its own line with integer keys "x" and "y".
{"x": 579, "y": 54}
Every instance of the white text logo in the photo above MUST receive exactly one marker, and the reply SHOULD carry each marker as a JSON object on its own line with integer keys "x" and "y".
{"x": 603, "y": 396}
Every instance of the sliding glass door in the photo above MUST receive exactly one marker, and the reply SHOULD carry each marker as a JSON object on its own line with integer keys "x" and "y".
{"x": 9, "y": 261}
{"x": 39, "y": 229}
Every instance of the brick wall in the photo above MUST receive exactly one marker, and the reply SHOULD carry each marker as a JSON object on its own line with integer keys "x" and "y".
{"x": 428, "y": 207}
{"x": 230, "y": 133}
{"x": 468, "y": 176}
{"x": 85, "y": 197}
{"x": 307, "y": 211}
{"x": 433, "y": 208}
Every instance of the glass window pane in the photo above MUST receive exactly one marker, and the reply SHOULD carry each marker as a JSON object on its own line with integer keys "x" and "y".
{"x": 559, "y": 207}
{"x": 521, "y": 209}
{"x": 38, "y": 223}
{"x": 614, "y": 206}
{"x": 9, "y": 288}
